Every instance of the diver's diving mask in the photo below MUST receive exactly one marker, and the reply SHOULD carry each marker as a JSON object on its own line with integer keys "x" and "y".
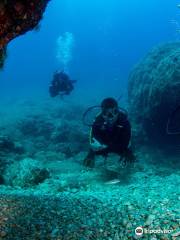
{"x": 110, "y": 115}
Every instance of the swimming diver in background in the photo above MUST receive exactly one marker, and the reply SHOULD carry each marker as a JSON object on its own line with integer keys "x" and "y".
{"x": 61, "y": 84}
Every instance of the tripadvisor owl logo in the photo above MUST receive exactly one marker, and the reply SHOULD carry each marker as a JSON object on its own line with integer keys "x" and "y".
{"x": 139, "y": 231}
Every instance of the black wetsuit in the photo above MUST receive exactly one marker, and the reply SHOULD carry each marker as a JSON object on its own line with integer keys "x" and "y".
{"x": 61, "y": 84}
{"x": 116, "y": 137}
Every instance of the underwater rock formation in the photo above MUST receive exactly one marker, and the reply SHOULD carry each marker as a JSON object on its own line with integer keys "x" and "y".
{"x": 2, "y": 56}
{"x": 36, "y": 126}
{"x": 28, "y": 172}
{"x": 7, "y": 145}
{"x": 65, "y": 136}
{"x": 154, "y": 93}
{"x": 16, "y": 18}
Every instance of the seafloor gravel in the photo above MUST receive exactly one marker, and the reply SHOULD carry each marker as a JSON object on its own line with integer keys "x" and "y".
{"x": 102, "y": 211}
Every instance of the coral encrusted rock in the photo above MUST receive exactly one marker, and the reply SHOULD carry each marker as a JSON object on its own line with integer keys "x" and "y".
{"x": 16, "y": 18}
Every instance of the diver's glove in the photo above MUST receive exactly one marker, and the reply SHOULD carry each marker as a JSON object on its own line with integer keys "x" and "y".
{"x": 97, "y": 146}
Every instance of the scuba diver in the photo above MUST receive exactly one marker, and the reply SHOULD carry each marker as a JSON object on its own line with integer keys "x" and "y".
{"x": 110, "y": 133}
{"x": 61, "y": 84}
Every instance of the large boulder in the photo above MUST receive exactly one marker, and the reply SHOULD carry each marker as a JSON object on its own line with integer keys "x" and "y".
{"x": 25, "y": 173}
{"x": 154, "y": 93}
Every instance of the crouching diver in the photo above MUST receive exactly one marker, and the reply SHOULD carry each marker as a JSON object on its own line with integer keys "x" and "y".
{"x": 61, "y": 84}
{"x": 110, "y": 133}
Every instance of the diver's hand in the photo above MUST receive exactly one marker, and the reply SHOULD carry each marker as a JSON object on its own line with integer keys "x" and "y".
{"x": 97, "y": 146}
